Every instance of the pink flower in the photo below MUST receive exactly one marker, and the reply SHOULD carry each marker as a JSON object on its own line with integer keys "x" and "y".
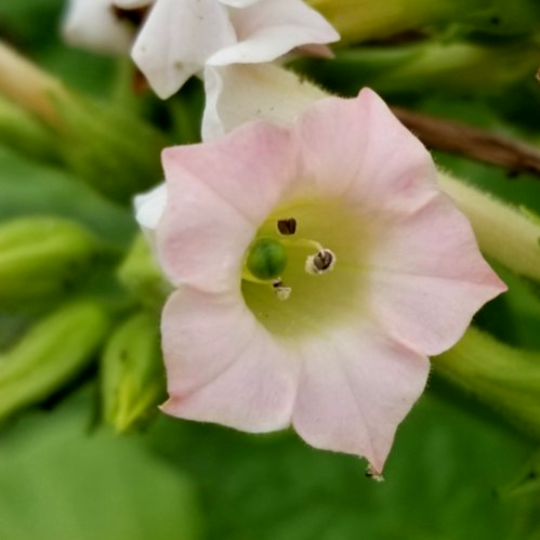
{"x": 316, "y": 268}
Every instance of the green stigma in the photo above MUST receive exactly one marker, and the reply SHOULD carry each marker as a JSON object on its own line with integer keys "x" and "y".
{"x": 266, "y": 258}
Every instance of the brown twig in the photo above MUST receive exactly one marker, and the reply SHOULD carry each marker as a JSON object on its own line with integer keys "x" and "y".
{"x": 474, "y": 143}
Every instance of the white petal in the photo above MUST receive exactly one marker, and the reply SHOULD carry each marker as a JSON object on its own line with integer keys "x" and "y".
{"x": 91, "y": 24}
{"x": 238, "y": 94}
{"x": 176, "y": 40}
{"x": 239, "y": 3}
{"x": 149, "y": 208}
{"x": 272, "y": 28}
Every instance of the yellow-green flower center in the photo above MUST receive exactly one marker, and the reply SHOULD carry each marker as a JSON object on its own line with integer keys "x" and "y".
{"x": 303, "y": 271}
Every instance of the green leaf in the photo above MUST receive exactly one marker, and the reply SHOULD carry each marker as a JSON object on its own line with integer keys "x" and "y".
{"x": 441, "y": 481}
{"x": 30, "y": 188}
{"x": 58, "y": 482}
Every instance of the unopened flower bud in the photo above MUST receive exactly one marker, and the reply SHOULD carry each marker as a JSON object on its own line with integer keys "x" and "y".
{"x": 42, "y": 259}
{"x": 101, "y": 143}
{"x": 133, "y": 380}
{"x": 504, "y": 378}
{"x": 49, "y": 355}
{"x": 141, "y": 276}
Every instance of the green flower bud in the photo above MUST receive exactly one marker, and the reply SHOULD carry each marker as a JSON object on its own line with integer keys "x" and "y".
{"x": 132, "y": 376}
{"x": 20, "y": 131}
{"x": 141, "y": 276}
{"x": 111, "y": 149}
{"x": 497, "y": 375}
{"x": 368, "y": 20}
{"x": 49, "y": 355}
{"x": 42, "y": 258}
{"x": 107, "y": 145}
{"x": 266, "y": 258}
{"x": 450, "y": 68}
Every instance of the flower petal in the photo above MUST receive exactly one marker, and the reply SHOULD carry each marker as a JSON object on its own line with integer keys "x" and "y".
{"x": 222, "y": 366}
{"x": 177, "y": 38}
{"x": 428, "y": 277}
{"x": 239, "y": 3}
{"x": 379, "y": 165}
{"x": 149, "y": 208}
{"x": 219, "y": 193}
{"x": 355, "y": 387}
{"x": 272, "y": 28}
{"x": 239, "y": 94}
{"x": 91, "y": 24}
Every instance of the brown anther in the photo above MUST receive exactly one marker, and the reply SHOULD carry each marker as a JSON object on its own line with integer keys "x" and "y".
{"x": 287, "y": 226}
{"x": 323, "y": 260}
{"x": 282, "y": 291}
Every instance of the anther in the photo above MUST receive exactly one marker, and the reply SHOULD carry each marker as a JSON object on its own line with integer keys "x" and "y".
{"x": 282, "y": 291}
{"x": 323, "y": 261}
{"x": 287, "y": 226}
{"x": 373, "y": 474}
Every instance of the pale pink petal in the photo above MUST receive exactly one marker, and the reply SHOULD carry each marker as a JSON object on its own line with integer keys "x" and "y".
{"x": 218, "y": 194}
{"x": 91, "y": 24}
{"x": 222, "y": 366}
{"x": 428, "y": 277}
{"x": 356, "y": 386}
{"x": 272, "y": 28}
{"x": 177, "y": 38}
{"x": 357, "y": 149}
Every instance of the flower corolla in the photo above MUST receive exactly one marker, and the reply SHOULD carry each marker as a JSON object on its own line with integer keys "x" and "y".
{"x": 175, "y": 39}
{"x": 316, "y": 268}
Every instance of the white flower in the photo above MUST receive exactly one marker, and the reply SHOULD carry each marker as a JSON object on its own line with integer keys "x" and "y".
{"x": 93, "y": 25}
{"x": 178, "y": 38}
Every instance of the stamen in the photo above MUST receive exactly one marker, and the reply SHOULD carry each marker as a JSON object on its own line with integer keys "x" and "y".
{"x": 287, "y": 226}
{"x": 282, "y": 291}
{"x": 320, "y": 263}
{"x": 302, "y": 243}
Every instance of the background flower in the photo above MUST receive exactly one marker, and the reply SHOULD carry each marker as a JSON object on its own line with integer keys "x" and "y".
{"x": 177, "y": 38}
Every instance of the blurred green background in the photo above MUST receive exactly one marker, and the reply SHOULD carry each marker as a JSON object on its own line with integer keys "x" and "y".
{"x": 455, "y": 471}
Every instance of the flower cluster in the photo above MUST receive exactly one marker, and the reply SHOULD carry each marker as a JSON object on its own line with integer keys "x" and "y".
{"x": 171, "y": 40}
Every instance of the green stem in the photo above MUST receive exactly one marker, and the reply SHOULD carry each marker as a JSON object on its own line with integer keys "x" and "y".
{"x": 503, "y": 232}
{"x": 497, "y": 375}
{"x": 430, "y": 66}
